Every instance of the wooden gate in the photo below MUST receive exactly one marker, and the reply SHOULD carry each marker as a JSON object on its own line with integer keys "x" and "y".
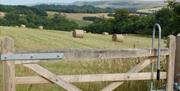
{"x": 65, "y": 81}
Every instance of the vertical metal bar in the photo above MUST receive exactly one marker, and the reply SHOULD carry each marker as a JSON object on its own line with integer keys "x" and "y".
{"x": 159, "y": 51}
{"x": 152, "y": 64}
{"x": 159, "y": 48}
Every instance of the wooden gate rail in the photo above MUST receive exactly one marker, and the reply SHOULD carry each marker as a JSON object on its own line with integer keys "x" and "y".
{"x": 135, "y": 69}
{"x": 92, "y": 78}
{"x": 45, "y": 76}
{"x": 89, "y": 54}
{"x": 38, "y": 79}
{"x": 52, "y": 77}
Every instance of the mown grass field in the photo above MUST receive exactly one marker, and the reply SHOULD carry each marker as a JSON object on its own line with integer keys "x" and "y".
{"x": 37, "y": 40}
{"x": 72, "y": 17}
{"x": 78, "y": 17}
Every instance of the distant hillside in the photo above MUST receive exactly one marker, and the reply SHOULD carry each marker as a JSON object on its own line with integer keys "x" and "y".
{"x": 73, "y": 8}
{"x": 121, "y": 3}
{"x": 23, "y": 10}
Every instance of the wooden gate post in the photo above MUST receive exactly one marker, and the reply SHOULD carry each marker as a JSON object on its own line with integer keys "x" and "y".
{"x": 7, "y": 47}
{"x": 171, "y": 63}
{"x": 177, "y": 62}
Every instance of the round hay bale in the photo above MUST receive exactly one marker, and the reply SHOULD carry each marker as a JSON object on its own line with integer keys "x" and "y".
{"x": 178, "y": 34}
{"x": 105, "y": 33}
{"x": 117, "y": 37}
{"x": 41, "y": 27}
{"x": 78, "y": 33}
{"x": 16, "y": 26}
{"x": 23, "y": 26}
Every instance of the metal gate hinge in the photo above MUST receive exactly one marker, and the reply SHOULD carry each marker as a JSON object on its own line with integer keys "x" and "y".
{"x": 31, "y": 56}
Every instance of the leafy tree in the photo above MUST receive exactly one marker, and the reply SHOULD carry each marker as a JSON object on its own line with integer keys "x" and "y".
{"x": 24, "y": 10}
{"x": 106, "y": 25}
{"x": 58, "y": 22}
{"x": 144, "y": 24}
{"x": 11, "y": 19}
{"x": 121, "y": 15}
{"x": 165, "y": 16}
{"x": 92, "y": 18}
{"x": 123, "y": 23}
{"x": 177, "y": 19}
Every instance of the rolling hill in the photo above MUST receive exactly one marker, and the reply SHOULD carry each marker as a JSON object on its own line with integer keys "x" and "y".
{"x": 121, "y": 3}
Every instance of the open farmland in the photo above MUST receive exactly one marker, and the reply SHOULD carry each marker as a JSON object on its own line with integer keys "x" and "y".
{"x": 78, "y": 17}
{"x": 49, "y": 39}
{"x": 37, "y": 40}
{"x": 2, "y": 14}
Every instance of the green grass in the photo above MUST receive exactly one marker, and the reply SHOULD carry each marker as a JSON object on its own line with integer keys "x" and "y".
{"x": 37, "y": 40}
{"x": 81, "y": 23}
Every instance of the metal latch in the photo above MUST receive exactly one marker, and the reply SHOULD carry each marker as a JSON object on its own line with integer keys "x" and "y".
{"x": 177, "y": 86}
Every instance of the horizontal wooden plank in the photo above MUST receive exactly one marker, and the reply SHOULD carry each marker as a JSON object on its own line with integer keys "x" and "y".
{"x": 109, "y": 53}
{"x": 52, "y": 77}
{"x": 112, "y": 86}
{"x": 26, "y": 61}
{"x": 91, "y": 78}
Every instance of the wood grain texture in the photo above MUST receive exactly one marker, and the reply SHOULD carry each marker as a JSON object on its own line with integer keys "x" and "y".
{"x": 177, "y": 62}
{"x": 92, "y": 78}
{"x": 171, "y": 63}
{"x": 86, "y": 54}
{"x": 112, "y": 86}
{"x": 7, "y": 47}
{"x": 52, "y": 77}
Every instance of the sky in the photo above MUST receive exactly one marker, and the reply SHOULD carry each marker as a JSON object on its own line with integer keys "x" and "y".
{"x": 26, "y": 2}
{"x": 29, "y": 2}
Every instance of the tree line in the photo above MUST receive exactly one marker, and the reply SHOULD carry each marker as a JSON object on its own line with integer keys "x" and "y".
{"x": 24, "y": 10}
{"x": 123, "y": 22}
{"x": 33, "y": 18}
{"x": 58, "y": 22}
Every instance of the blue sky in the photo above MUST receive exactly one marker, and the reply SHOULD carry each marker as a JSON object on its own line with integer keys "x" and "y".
{"x": 29, "y": 2}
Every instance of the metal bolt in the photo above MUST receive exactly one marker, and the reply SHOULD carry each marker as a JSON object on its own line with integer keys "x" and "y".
{"x": 56, "y": 79}
{"x": 31, "y": 57}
